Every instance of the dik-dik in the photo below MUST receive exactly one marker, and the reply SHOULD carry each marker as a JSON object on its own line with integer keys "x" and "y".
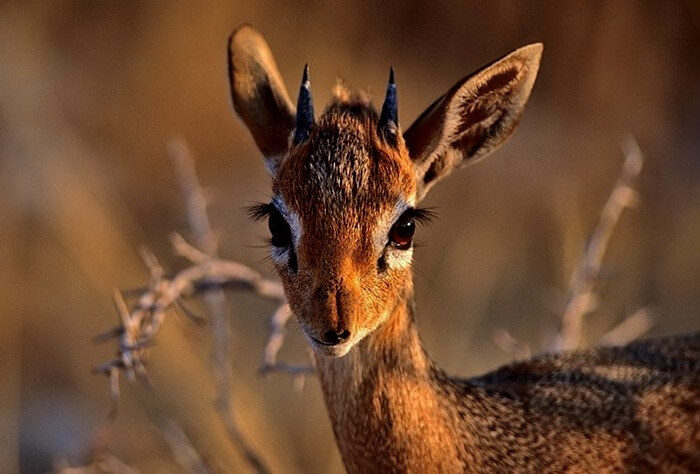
{"x": 346, "y": 189}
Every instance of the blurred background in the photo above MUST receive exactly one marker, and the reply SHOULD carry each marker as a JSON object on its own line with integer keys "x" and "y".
{"x": 91, "y": 92}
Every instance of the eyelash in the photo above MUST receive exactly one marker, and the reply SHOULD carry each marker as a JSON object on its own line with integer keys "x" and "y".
{"x": 422, "y": 215}
{"x": 259, "y": 211}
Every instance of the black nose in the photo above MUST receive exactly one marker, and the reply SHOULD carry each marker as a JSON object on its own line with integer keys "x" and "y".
{"x": 332, "y": 338}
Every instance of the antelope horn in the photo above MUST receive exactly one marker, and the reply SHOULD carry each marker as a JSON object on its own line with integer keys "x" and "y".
{"x": 389, "y": 119}
{"x": 305, "y": 110}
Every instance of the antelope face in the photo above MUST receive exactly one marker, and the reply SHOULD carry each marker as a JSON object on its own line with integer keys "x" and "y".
{"x": 342, "y": 218}
{"x": 345, "y": 187}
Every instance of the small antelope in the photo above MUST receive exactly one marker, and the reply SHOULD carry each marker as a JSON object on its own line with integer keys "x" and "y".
{"x": 345, "y": 194}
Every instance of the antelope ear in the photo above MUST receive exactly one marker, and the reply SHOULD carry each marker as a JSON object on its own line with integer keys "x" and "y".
{"x": 259, "y": 94}
{"x": 473, "y": 118}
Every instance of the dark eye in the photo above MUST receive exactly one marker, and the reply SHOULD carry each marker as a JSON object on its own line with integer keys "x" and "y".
{"x": 401, "y": 233}
{"x": 281, "y": 233}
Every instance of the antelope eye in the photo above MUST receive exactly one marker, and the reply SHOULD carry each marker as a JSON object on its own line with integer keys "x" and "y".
{"x": 281, "y": 233}
{"x": 401, "y": 233}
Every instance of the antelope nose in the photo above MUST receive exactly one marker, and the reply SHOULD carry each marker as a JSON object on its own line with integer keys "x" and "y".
{"x": 331, "y": 338}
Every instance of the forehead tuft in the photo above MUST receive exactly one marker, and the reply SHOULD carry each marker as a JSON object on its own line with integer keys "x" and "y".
{"x": 342, "y": 94}
{"x": 345, "y": 166}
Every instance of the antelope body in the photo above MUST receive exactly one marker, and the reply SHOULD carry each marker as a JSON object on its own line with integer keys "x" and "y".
{"x": 346, "y": 187}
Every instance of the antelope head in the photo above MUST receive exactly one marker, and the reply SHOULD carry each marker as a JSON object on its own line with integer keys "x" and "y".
{"x": 346, "y": 186}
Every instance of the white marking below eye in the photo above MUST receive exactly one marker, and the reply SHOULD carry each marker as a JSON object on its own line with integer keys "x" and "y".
{"x": 398, "y": 259}
{"x": 281, "y": 255}
{"x": 395, "y": 258}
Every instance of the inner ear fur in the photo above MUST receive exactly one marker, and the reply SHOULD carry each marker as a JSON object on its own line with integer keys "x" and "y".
{"x": 473, "y": 118}
{"x": 259, "y": 94}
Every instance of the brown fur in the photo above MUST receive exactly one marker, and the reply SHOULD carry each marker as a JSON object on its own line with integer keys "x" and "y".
{"x": 631, "y": 409}
{"x": 610, "y": 410}
{"x": 337, "y": 262}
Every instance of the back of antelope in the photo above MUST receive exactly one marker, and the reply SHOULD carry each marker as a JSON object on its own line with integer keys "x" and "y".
{"x": 346, "y": 193}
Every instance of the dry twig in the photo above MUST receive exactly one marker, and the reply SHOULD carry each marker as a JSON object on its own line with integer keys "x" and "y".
{"x": 278, "y": 326}
{"x": 581, "y": 289}
{"x": 215, "y": 299}
{"x": 181, "y": 447}
{"x": 209, "y": 275}
{"x": 629, "y": 329}
{"x": 139, "y": 326}
{"x": 509, "y": 344}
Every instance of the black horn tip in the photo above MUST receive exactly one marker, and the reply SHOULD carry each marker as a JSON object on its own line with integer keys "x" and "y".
{"x": 389, "y": 119}
{"x": 305, "y": 77}
{"x": 305, "y": 109}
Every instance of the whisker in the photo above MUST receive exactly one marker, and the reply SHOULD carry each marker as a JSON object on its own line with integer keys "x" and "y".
{"x": 265, "y": 244}
{"x": 265, "y": 260}
{"x": 419, "y": 272}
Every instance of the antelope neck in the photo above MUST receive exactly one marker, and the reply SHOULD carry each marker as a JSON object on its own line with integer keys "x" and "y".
{"x": 388, "y": 409}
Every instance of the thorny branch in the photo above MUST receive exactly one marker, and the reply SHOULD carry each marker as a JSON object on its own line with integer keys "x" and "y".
{"x": 208, "y": 274}
{"x": 215, "y": 300}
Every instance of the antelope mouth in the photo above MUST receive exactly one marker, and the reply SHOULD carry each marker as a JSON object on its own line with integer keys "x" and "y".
{"x": 321, "y": 343}
{"x": 331, "y": 350}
